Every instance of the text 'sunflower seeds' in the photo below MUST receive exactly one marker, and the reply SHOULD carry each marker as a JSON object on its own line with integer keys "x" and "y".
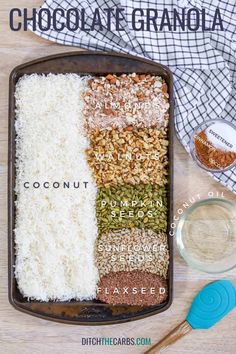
{"x": 132, "y": 249}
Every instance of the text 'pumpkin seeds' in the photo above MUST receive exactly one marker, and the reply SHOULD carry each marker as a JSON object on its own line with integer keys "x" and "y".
{"x": 127, "y": 206}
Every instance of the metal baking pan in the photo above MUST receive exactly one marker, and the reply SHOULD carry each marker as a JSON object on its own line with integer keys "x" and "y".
{"x": 84, "y": 312}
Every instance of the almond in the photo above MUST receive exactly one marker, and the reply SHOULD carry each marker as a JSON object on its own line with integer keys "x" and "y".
{"x": 129, "y": 128}
{"x": 164, "y": 88}
{"x": 113, "y": 81}
{"x": 136, "y": 79}
{"x": 109, "y": 77}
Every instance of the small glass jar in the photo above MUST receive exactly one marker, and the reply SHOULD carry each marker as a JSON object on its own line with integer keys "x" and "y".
{"x": 213, "y": 145}
{"x": 206, "y": 235}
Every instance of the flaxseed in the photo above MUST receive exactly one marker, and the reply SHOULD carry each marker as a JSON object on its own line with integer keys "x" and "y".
{"x": 132, "y": 288}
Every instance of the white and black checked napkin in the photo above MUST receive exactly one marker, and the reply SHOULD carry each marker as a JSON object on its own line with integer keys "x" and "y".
{"x": 203, "y": 63}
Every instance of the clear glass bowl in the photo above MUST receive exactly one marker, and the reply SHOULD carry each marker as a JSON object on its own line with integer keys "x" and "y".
{"x": 206, "y": 235}
{"x": 201, "y": 128}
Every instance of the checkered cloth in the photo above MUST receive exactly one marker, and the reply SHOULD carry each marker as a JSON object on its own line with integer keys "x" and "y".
{"x": 203, "y": 63}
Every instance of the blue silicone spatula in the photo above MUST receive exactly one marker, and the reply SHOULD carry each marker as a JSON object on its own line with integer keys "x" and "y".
{"x": 210, "y": 305}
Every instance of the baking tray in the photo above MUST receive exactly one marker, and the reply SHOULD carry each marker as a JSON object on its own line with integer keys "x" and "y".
{"x": 84, "y": 312}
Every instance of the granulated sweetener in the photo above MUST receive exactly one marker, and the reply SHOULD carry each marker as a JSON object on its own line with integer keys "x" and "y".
{"x": 215, "y": 145}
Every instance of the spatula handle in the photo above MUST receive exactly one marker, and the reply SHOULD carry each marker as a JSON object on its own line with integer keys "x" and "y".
{"x": 178, "y": 332}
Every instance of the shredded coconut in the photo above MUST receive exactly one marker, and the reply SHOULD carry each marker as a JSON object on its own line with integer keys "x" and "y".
{"x": 55, "y": 229}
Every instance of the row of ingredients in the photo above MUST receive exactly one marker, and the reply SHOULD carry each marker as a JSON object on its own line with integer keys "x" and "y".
{"x": 128, "y": 148}
{"x": 116, "y": 140}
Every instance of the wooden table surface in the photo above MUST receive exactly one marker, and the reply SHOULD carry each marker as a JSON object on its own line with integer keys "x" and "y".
{"x": 23, "y": 334}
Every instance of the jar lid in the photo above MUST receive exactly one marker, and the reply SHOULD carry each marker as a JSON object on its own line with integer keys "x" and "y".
{"x": 213, "y": 145}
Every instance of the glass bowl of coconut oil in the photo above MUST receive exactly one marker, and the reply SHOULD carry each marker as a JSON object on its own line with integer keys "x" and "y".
{"x": 206, "y": 235}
